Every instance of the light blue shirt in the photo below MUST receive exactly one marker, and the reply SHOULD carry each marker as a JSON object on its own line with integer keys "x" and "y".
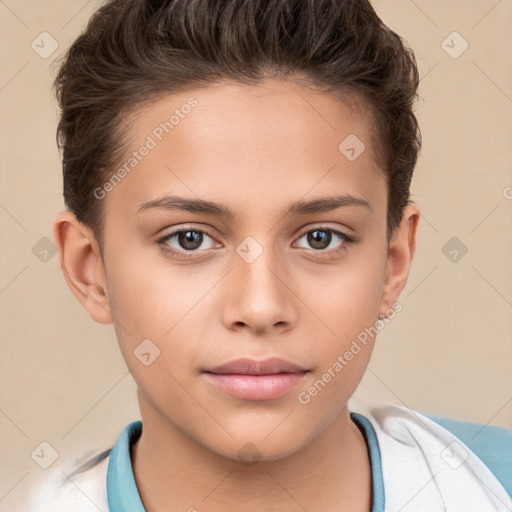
{"x": 493, "y": 445}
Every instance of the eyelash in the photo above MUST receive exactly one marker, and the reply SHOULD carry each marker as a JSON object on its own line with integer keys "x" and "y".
{"x": 347, "y": 240}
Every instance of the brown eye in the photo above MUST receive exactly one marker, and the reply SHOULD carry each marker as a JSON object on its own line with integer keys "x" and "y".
{"x": 189, "y": 240}
{"x": 320, "y": 239}
{"x": 186, "y": 242}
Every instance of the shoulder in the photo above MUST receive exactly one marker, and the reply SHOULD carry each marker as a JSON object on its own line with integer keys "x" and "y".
{"x": 78, "y": 485}
{"x": 492, "y": 444}
{"x": 462, "y": 461}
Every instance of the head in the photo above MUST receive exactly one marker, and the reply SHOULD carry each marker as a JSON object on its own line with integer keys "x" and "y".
{"x": 236, "y": 177}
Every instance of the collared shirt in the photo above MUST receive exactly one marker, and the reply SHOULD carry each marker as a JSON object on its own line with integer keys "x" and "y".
{"x": 122, "y": 490}
{"x": 418, "y": 463}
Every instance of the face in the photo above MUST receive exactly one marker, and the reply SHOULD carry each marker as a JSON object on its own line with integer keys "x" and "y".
{"x": 246, "y": 229}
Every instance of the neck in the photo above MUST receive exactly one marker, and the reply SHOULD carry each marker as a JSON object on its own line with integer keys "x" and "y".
{"x": 174, "y": 472}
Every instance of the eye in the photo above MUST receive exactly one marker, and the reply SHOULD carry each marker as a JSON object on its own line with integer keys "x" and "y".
{"x": 188, "y": 242}
{"x": 322, "y": 237}
{"x": 184, "y": 242}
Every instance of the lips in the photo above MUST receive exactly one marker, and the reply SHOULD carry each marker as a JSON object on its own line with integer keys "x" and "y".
{"x": 270, "y": 366}
{"x": 249, "y": 379}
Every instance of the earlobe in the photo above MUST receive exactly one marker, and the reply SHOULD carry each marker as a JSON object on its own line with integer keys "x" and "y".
{"x": 82, "y": 266}
{"x": 401, "y": 251}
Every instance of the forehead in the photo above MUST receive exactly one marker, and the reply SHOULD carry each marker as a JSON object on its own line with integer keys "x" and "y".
{"x": 271, "y": 141}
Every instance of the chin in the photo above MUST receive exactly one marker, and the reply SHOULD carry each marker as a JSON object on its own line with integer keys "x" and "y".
{"x": 259, "y": 443}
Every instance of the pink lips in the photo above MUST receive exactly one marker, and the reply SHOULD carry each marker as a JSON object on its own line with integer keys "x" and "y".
{"x": 256, "y": 380}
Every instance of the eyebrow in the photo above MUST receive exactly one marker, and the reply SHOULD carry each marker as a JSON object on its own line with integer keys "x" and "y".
{"x": 320, "y": 205}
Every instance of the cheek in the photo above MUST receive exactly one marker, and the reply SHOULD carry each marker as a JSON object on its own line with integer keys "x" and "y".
{"x": 347, "y": 306}
{"x": 347, "y": 300}
{"x": 341, "y": 363}
{"x": 151, "y": 297}
{"x": 166, "y": 304}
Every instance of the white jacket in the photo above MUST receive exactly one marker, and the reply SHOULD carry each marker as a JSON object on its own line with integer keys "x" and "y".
{"x": 425, "y": 468}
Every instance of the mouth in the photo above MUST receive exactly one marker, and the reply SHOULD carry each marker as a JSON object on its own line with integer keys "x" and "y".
{"x": 249, "y": 379}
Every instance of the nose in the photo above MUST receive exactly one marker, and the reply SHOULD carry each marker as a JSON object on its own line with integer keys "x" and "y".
{"x": 259, "y": 295}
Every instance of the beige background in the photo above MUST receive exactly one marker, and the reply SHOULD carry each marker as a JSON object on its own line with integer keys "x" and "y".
{"x": 448, "y": 352}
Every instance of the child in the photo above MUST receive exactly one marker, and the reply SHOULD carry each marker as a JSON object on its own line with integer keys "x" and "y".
{"x": 237, "y": 179}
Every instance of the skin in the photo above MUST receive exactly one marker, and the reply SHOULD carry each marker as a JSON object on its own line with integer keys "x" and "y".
{"x": 255, "y": 150}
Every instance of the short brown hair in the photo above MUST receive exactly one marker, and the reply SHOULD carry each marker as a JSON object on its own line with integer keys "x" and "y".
{"x": 134, "y": 50}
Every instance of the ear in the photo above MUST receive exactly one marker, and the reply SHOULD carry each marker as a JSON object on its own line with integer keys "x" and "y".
{"x": 401, "y": 251}
{"x": 82, "y": 265}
